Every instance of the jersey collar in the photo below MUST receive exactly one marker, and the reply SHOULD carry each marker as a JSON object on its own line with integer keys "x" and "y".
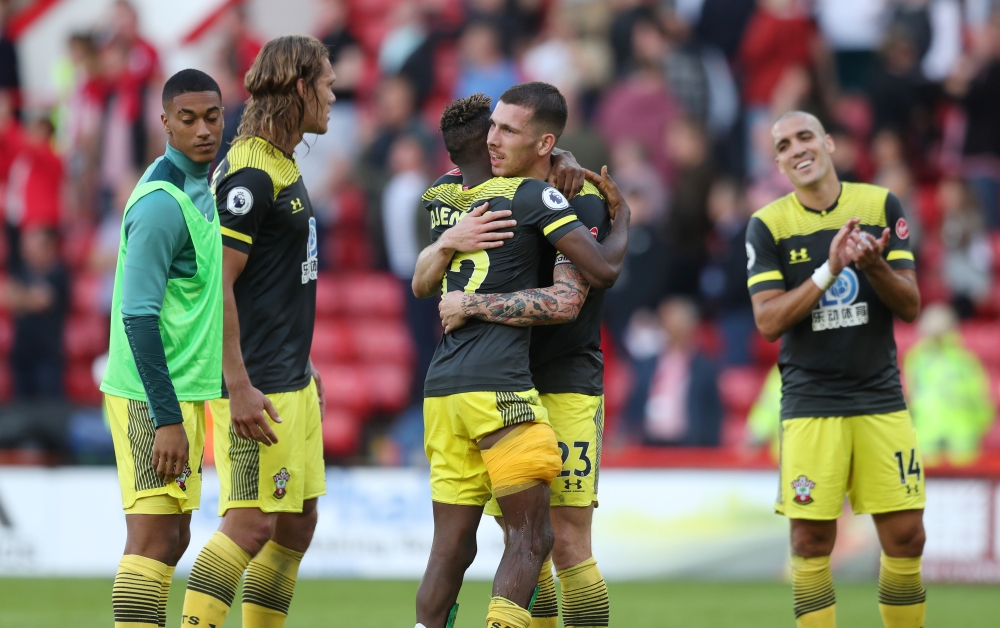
{"x": 820, "y": 212}
{"x": 196, "y": 171}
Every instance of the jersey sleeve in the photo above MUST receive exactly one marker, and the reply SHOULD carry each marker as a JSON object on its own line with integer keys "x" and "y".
{"x": 898, "y": 254}
{"x": 243, "y": 199}
{"x": 540, "y": 205}
{"x": 155, "y": 232}
{"x": 763, "y": 261}
{"x": 592, "y": 211}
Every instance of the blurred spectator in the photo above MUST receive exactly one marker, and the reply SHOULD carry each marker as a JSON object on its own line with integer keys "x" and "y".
{"x": 935, "y": 28}
{"x": 38, "y": 295}
{"x": 853, "y": 29}
{"x": 11, "y": 138}
{"x": 346, "y": 55}
{"x": 580, "y": 138}
{"x": 719, "y": 23}
{"x": 764, "y": 418}
{"x": 405, "y": 224}
{"x": 848, "y": 158}
{"x": 968, "y": 258}
{"x": 103, "y": 258}
{"x": 240, "y": 44}
{"x": 688, "y": 225}
{"x": 677, "y": 391}
{"x": 484, "y": 67}
{"x": 515, "y": 21}
{"x": 407, "y": 50}
{"x": 724, "y": 280}
{"x": 902, "y": 99}
{"x": 780, "y": 47}
{"x": 10, "y": 77}
{"x": 639, "y": 109}
{"x": 640, "y": 285}
{"x": 34, "y": 185}
{"x": 976, "y": 82}
{"x": 948, "y": 390}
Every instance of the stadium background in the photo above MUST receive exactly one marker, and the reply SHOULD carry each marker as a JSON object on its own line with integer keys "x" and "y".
{"x": 676, "y": 97}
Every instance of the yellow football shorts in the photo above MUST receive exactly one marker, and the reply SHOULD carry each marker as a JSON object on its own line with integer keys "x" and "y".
{"x": 453, "y": 425}
{"x": 873, "y": 458}
{"x": 276, "y": 478}
{"x": 133, "y": 432}
{"x": 578, "y": 421}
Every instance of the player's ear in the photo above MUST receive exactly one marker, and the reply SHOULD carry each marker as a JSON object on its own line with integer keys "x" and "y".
{"x": 831, "y": 146}
{"x": 166, "y": 123}
{"x": 300, "y": 87}
{"x": 546, "y": 144}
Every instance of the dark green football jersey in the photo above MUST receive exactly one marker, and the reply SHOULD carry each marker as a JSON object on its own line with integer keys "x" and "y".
{"x": 482, "y": 356}
{"x": 567, "y": 358}
{"x": 840, "y": 360}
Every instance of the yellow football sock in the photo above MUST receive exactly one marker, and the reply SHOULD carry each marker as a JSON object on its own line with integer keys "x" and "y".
{"x": 585, "y": 596}
{"x": 269, "y": 585}
{"x": 545, "y": 612}
{"x": 902, "y": 599}
{"x": 135, "y": 597}
{"x": 168, "y": 578}
{"x": 213, "y": 581}
{"x": 503, "y": 613}
{"x": 812, "y": 586}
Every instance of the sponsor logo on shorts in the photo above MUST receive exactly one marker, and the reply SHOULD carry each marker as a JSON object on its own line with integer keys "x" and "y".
{"x": 281, "y": 482}
{"x": 803, "y": 490}
{"x": 902, "y": 229}
{"x": 183, "y": 477}
{"x": 570, "y": 484}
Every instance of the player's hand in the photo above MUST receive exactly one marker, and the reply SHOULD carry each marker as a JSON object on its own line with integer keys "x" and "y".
{"x": 839, "y": 256}
{"x": 609, "y": 189}
{"x": 864, "y": 249}
{"x": 247, "y": 408}
{"x": 478, "y": 230}
{"x": 319, "y": 391}
{"x": 170, "y": 452}
{"x": 566, "y": 175}
{"x": 450, "y": 308}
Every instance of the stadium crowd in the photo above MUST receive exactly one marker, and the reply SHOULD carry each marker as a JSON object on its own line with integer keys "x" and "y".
{"x": 676, "y": 97}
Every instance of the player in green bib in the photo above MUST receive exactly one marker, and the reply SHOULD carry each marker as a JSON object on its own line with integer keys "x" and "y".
{"x": 165, "y": 355}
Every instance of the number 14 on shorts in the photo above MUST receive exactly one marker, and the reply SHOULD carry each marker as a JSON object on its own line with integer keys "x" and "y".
{"x": 908, "y": 470}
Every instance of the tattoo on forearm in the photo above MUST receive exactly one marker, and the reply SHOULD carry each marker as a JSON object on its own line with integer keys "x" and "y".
{"x": 558, "y": 303}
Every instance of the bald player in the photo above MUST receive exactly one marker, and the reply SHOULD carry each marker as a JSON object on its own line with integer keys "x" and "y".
{"x": 829, "y": 266}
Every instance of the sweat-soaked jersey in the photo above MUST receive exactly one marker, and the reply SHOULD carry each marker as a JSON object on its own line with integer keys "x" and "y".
{"x": 265, "y": 212}
{"x": 567, "y": 358}
{"x": 841, "y": 359}
{"x": 483, "y": 356}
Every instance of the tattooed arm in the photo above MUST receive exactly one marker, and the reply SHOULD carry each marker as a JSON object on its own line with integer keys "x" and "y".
{"x": 559, "y": 303}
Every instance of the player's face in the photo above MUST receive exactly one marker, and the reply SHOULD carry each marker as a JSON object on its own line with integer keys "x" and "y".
{"x": 193, "y": 123}
{"x": 802, "y": 150}
{"x": 513, "y": 141}
{"x": 317, "y": 119}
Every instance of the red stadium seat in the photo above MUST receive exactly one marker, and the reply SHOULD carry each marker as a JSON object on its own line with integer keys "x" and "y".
{"x": 346, "y": 387}
{"x": 329, "y": 297}
{"x": 85, "y": 337}
{"x": 332, "y": 342}
{"x": 390, "y": 386}
{"x": 764, "y": 353}
{"x": 374, "y": 294}
{"x": 983, "y": 339}
{"x": 6, "y": 382}
{"x": 995, "y": 241}
{"x": 341, "y": 433}
{"x": 739, "y": 387}
{"x": 386, "y": 342}
{"x": 87, "y": 294}
{"x": 76, "y": 246}
{"x": 79, "y": 384}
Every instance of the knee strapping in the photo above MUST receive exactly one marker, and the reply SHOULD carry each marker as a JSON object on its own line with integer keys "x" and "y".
{"x": 527, "y": 456}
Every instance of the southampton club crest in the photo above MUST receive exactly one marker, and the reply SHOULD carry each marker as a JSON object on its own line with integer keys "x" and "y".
{"x": 281, "y": 482}
{"x": 803, "y": 490}
{"x": 183, "y": 477}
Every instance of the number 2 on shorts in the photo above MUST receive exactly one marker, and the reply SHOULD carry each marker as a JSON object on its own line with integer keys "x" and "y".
{"x": 583, "y": 446}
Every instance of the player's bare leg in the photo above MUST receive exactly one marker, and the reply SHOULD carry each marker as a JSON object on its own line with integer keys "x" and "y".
{"x": 295, "y": 530}
{"x": 812, "y": 581}
{"x": 160, "y": 537}
{"x": 249, "y": 528}
{"x": 902, "y": 598}
{"x": 528, "y": 539}
{"x": 452, "y": 552}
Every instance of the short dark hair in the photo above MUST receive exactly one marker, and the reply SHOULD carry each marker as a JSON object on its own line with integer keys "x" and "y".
{"x": 189, "y": 80}
{"x": 465, "y": 123}
{"x": 547, "y": 105}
